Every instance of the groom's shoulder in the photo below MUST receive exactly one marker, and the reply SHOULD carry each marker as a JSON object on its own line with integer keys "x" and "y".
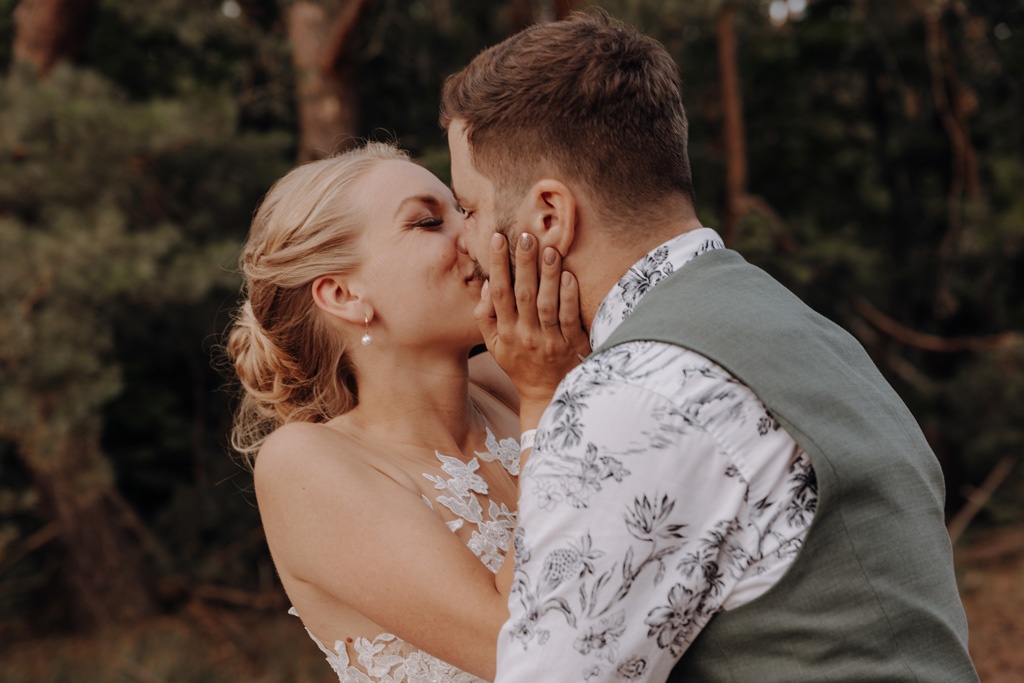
{"x": 661, "y": 367}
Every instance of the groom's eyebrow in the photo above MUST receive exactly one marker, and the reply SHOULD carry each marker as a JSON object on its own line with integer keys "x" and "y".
{"x": 455, "y": 193}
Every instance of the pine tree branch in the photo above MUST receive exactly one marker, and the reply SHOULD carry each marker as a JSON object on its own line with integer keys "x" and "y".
{"x": 748, "y": 203}
{"x": 29, "y": 545}
{"x": 979, "y": 497}
{"x": 931, "y": 342}
{"x": 232, "y": 596}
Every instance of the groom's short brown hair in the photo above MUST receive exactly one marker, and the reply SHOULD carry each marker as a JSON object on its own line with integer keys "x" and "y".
{"x": 590, "y": 95}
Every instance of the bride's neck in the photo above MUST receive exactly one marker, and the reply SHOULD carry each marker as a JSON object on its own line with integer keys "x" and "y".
{"x": 421, "y": 400}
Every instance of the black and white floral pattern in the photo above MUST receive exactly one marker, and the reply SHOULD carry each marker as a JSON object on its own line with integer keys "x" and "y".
{"x": 645, "y": 275}
{"x": 660, "y": 492}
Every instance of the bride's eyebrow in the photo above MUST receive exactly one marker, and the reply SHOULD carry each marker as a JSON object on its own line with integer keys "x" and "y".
{"x": 426, "y": 199}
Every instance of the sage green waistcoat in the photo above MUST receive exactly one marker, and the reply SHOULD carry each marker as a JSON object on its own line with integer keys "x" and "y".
{"x": 871, "y": 595}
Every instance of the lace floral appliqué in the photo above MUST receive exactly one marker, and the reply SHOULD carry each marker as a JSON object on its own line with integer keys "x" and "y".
{"x": 489, "y": 541}
{"x": 386, "y": 659}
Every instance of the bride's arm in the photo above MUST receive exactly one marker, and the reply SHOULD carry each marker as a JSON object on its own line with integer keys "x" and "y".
{"x": 488, "y": 375}
{"x": 361, "y": 538}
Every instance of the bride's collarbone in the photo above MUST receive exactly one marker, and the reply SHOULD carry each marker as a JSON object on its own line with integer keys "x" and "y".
{"x": 404, "y": 462}
{"x": 430, "y": 473}
{"x": 379, "y": 443}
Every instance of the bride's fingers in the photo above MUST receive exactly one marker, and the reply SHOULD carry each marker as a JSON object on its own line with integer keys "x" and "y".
{"x": 485, "y": 317}
{"x": 569, "y": 315}
{"x": 548, "y": 294}
{"x": 526, "y": 281}
{"x": 500, "y": 287}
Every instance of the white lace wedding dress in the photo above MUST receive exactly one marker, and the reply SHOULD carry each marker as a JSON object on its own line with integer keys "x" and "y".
{"x": 386, "y": 658}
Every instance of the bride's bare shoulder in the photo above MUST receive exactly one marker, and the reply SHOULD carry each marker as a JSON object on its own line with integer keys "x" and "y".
{"x": 304, "y": 441}
{"x": 316, "y": 489}
{"x": 300, "y": 451}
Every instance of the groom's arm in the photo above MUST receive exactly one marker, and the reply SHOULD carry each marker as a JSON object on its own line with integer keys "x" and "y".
{"x": 601, "y": 533}
{"x": 636, "y": 523}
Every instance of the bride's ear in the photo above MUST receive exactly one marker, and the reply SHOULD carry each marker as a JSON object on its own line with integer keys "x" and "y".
{"x": 332, "y": 294}
{"x": 552, "y": 207}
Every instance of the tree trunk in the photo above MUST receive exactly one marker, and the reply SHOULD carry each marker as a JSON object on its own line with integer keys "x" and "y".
{"x": 738, "y": 201}
{"x": 47, "y": 32}
{"x": 563, "y": 8}
{"x": 732, "y": 130}
{"x": 442, "y": 11}
{"x": 521, "y": 13}
{"x": 101, "y": 565}
{"x": 524, "y": 13}
{"x": 953, "y": 105}
{"x": 326, "y": 94}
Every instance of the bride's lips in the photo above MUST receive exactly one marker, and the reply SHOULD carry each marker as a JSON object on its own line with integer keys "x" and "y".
{"x": 478, "y": 273}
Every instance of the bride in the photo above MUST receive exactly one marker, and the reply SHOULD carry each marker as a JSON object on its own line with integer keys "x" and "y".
{"x": 385, "y": 463}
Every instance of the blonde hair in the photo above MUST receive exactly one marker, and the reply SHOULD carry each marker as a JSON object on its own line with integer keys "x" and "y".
{"x": 291, "y": 364}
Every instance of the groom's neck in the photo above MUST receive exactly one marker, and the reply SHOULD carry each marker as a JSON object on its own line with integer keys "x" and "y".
{"x": 603, "y": 252}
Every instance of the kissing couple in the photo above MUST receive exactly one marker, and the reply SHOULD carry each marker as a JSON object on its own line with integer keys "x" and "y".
{"x": 664, "y": 467}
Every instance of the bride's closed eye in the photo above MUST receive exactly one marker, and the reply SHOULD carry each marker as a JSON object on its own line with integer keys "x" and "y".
{"x": 428, "y": 222}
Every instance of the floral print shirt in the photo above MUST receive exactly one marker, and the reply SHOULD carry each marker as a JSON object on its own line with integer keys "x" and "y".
{"x": 660, "y": 492}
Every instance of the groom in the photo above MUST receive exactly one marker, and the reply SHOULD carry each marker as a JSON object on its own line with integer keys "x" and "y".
{"x": 726, "y": 489}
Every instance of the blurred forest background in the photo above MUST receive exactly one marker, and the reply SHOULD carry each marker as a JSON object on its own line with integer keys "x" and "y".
{"x": 869, "y": 153}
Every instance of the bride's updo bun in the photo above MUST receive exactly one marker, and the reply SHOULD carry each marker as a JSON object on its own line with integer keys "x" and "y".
{"x": 291, "y": 364}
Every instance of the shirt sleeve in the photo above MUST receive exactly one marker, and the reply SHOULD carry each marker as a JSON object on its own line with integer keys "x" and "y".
{"x": 628, "y": 524}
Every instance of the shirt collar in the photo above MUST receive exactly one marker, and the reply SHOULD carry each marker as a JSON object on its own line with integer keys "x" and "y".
{"x": 645, "y": 276}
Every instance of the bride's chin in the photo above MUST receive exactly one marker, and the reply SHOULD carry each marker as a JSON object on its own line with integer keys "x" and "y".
{"x": 462, "y": 334}
{"x": 466, "y": 340}
{"x": 476, "y": 339}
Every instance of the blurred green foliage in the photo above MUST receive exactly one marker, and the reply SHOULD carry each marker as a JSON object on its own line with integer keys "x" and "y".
{"x": 127, "y": 182}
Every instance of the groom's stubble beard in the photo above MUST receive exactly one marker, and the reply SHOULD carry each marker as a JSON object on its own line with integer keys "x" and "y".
{"x": 504, "y": 223}
{"x": 505, "y": 226}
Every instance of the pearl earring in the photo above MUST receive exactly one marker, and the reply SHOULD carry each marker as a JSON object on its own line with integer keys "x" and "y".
{"x": 367, "y": 339}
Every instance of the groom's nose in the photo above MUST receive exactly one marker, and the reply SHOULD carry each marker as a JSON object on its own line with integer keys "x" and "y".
{"x": 460, "y": 241}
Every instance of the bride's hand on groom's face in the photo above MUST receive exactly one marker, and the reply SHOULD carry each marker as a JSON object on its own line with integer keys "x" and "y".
{"x": 533, "y": 328}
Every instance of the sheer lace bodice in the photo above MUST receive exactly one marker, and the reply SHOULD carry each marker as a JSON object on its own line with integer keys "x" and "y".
{"x": 388, "y": 659}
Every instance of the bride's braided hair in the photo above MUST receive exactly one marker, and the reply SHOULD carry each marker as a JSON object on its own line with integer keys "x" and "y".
{"x": 291, "y": 364}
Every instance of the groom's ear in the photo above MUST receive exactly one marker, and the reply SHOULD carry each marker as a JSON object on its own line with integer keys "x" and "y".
{"x": 552, "y": 207}
{"x": 334, "y": 294}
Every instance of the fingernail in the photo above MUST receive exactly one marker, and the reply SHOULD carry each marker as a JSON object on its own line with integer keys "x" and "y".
{"x": 496, "y": 241}
{"x": 526, "y": 241}
{"x": 566, "y": 278}
{"x": 549, "y": 256}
